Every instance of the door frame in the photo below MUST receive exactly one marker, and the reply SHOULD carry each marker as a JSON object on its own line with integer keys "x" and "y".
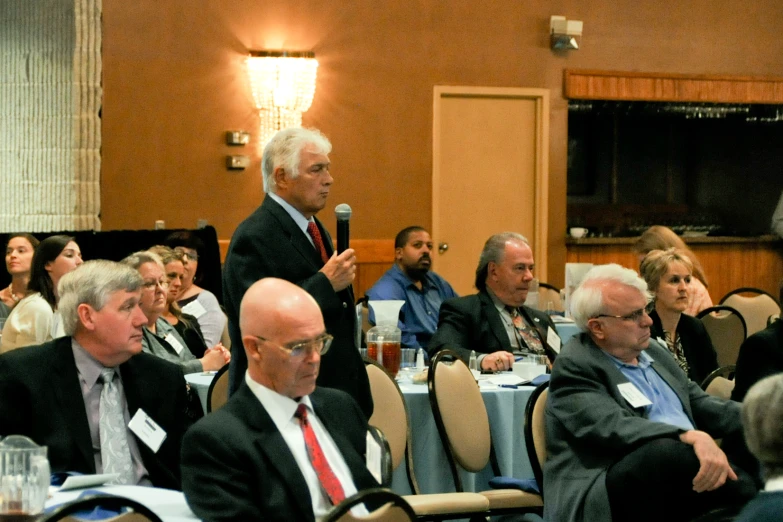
{"x": 541, "y": 99}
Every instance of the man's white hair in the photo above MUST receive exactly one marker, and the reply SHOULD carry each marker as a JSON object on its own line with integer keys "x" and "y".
{"x": 285, "y": 150}
{"x": 587, "y": 301}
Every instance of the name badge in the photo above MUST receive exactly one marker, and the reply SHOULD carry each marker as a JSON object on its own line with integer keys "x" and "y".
{"x": 194, "y": 308}
{"x": 552, "y": 339}
{"x": 374, "y": 458}
{"x": 174, "y": 342}
{"x": 632, "y": 394}
{"x": 147, "y": 430}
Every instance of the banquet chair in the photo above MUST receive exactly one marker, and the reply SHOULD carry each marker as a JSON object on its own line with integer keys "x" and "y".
{"x": 535, "y": 432}
{"x": 136, "y": 512}
{"x": 217, "y": 395}
{"x": 720, "y": 382}
{"x": 225, "y": 338}
{"x": 727, "y": 331}
{"x": 393, "y": 508}
{"x": 386, "y": 460}
{"x": 463, "y": 426}
{"x": 390, "y": 414}
{"x": 755, "y": 309}
{"x": 549, "y": 293}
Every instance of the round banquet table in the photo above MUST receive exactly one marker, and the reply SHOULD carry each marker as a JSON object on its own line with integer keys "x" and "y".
{"x": 200, "y": 381}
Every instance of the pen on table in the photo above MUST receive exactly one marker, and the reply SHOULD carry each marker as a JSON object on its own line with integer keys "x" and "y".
{"x": 512, "y": 386}
{"x": 517, "y": 359}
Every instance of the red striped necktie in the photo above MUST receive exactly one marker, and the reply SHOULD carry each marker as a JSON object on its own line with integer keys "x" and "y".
{"x": 312, "y": 229}
{"x": 329, "y": 482}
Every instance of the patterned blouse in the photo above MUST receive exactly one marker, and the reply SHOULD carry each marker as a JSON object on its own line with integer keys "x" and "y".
{"x": 675, "y": 347}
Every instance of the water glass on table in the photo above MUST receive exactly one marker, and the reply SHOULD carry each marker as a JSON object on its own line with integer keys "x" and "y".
{"x": 530, "y": 366}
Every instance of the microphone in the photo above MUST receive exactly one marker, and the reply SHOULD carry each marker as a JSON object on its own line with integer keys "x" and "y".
{"x": 343, "y": 212}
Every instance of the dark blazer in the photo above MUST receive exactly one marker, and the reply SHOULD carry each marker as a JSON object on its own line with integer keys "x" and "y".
{"x": 473, "y": 323}
{"x": 590, "y": 426}
{"x": 40, "y": 396}
{"x": 696, "y": 344}
{"x": 269, "y": 244}
{"x": 761, "y": 355}
{"x": 766, "y": 507}
{"x": 237, "y": 466}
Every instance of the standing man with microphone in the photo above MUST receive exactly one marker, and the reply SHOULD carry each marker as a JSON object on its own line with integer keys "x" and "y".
{"x": 282, "y": 238}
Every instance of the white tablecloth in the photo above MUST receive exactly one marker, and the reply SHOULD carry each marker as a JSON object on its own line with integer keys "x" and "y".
{"x": 168, "y": 504}
{"x": 200, "y": 381}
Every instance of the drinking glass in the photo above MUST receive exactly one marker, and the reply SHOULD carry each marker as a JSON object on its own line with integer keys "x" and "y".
{"x": 24, "y": 478}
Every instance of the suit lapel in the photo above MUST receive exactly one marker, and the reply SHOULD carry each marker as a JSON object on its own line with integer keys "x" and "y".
{"x": 295, "y": 234}
{"x": 270, "y": 442}
{"x": 68, "y": 393}
{"x": 495, "y": 324}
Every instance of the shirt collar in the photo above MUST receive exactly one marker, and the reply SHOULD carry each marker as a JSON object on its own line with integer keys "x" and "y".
{"x": 297, "y": 216}
{"x": 87, "y": 366}
{"x": 497, "y": 302}
{"x": 279, "y": 407}
{"x": 400, "y": 273}
{"x": 644, "y": 360}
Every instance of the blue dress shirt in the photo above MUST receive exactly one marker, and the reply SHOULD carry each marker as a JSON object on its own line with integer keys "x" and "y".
{"x": 666, "y": 406}
{"x": 420, "y": 311}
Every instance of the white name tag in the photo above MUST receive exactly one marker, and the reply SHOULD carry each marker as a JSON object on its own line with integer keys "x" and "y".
{"x": 552, "y": 339}
{"x": 374, "y": 458}
{"x": 632, "y": 394}
{"x": 194, "y": 308}
{"x": 174, "y": 342}
{"x": 147, "y": 430}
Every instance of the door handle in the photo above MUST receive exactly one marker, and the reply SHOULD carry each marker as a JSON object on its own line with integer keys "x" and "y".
{"x": 442, "y": 247}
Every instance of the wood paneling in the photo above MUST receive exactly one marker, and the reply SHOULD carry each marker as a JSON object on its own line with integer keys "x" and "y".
{"x": 727, "y": 265}
{"x": 616, "y": 85}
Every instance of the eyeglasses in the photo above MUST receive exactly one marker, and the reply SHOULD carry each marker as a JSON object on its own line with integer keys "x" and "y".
{"x": 190, "y": 254}
{"x": 319, "y": 345}
{"x": 150, "y": 285}
{"x": 634, "y": 316}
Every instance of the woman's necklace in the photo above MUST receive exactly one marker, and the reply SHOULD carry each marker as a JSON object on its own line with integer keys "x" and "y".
{"x": 15, "y": 298}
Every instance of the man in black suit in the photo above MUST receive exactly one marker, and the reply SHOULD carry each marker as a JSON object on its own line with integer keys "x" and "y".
{"x": 283, "y": 239}
{"x": 495, "y": 323}
{"x": 54, "y": 393}
{"x": 253, "y": 459}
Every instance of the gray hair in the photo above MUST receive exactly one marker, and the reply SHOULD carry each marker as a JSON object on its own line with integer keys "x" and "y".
{"x": 93, "y": 283}
{"x": 762, "y": 417}
{"x": 136, "y": 259}
{"x": 587, "y": 301}
{"x": 493, "y": 252}
{"x": 285, "y": 150}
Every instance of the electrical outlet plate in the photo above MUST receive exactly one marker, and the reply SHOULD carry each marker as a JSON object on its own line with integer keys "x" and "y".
{"x": 237, "y": 162}
{"x": 237, "y": 137}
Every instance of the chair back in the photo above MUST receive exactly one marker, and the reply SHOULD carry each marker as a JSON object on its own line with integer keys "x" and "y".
{"x": 393, "y": 508}
{"x": 390, "y": 415}
{"x": 136, "y": 512}
{"x": 549, "y": 294}
{"x": 535, "y": 432}
{"x": 727, "y": 331}
{"x": 217, "y": 395}
{"x": 754, "y": 304}
{"x": 720, "y": 382}
{"x": 386, "y": 462}
{"x": 460, "y": 414}
{"x": 225, "y": 338}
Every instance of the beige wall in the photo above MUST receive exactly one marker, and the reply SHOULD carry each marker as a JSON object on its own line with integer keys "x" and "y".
{"x": 174, "y": 81}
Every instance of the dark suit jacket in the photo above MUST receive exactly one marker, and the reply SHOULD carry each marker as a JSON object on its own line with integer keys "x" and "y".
{"x": 761, "y": 355}
{"x": 269, "y": 244}
{"x": 40, "y": 396}
{"x": 590, "y": 426}
{"x": 696, "y": 344}
{"x": 473, "y": 323}
{"x": 237, "y": 466}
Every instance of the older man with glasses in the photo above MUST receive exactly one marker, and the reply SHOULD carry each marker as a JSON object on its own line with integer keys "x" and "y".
{"x": 629, "y": 437}
{"x": 280, "y": 449}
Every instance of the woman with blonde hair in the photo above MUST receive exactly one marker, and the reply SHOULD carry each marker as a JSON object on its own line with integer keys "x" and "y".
{"x": 668, "y": 274}
{"x": 662, "y": 238}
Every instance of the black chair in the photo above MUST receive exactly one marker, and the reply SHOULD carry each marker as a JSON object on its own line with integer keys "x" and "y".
{"x": 393, "y": 507}
{"x": 387, "y": 469}
{"x": 217, "y": 395}
{"x": 535, "y": 432}
{"x": 132, "y": 511}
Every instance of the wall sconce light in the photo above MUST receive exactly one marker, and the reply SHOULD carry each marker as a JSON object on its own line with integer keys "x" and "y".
{"x": 283, "y": 84}
{"x": 564, "y": 34}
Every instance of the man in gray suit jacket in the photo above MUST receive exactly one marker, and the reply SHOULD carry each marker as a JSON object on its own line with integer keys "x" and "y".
{"x": 253, "y": 459}
{"x": 629, "y": 437}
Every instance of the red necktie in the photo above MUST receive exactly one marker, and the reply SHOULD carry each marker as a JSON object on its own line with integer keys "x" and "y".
{"x": 329, "y": 481}
{"x": 312, "y": 229}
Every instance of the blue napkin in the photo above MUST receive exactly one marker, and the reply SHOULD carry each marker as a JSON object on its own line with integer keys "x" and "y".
{"x": 544, "y": 377}
{"x": 97, "y": 513}
{"x": 526, "y": 485}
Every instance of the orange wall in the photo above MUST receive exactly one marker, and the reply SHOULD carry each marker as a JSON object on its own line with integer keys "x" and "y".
{"x": 174, "y": 82}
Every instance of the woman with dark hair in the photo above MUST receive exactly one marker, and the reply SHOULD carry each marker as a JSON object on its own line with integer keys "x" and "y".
{"x": 18, "y": 259}
{"x": 669, "y": 276}
{"x": 661, "y": 238}
{"x": 192, "y": 299}
{"x": 34, "y": 319}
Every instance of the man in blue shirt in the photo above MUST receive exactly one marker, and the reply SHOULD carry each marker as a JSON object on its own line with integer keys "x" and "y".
{"x": 629, "y": 436}
{"x": 411, "y": 280}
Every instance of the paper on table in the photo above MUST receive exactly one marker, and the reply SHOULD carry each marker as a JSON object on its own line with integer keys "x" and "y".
{"x": 86, "y": 481}
{"x": 507, "y": 378}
